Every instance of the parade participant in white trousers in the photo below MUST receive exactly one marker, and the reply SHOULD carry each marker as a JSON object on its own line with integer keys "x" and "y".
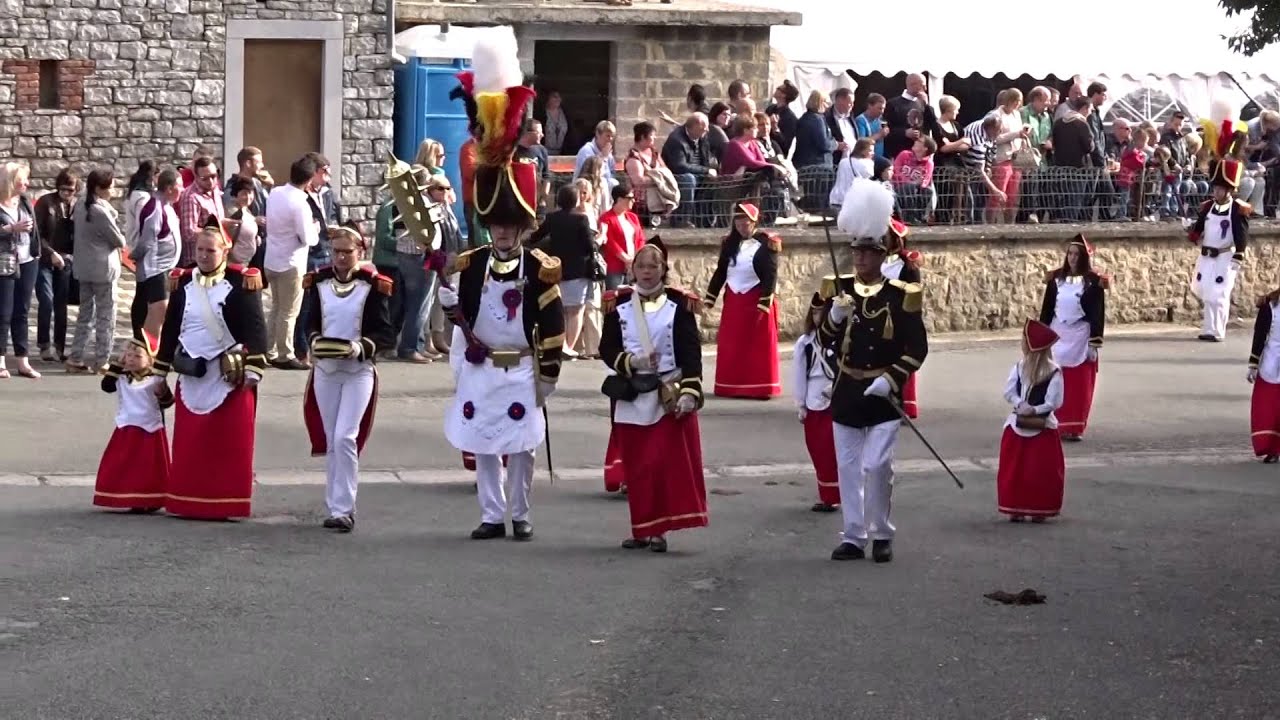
{"x": 348, "y": 322}
{"x": 1221, "y": 229}
{"x": 507, "y": 308}
{"x": 877, "y": 332}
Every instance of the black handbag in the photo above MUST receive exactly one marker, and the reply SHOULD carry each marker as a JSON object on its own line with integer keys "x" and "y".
{"x": 184, "y": 364}
{"x": 616, "y": 387}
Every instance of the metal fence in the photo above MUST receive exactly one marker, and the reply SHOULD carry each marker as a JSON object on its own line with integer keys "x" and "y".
{"x": 957, "y": 196}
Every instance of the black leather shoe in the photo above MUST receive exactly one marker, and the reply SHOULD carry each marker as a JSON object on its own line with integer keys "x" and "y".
{"x": 345, "y": 523}
{"x": 1271, "y": 459}
{"x": 489, "y": 531}
{"x": 522, "y": 529}
{"x": 847, "y": 551}
{"x": 822, "y": 507}
{"x": 658, "y": 544}
{"x": 882, "y": 550}
{"x": 635, "y": 543}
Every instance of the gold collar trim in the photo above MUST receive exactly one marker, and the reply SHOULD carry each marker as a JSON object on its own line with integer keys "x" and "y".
{"x": 208, "y": 281}
{"x": 867, "y": 290}
{"x": 503, "y": 267}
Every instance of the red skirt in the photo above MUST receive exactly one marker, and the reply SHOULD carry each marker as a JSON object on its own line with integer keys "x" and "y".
{"x": 821, "y": 442}
{"x": 665, "y": 487}
{"x": 1077, "y": 397}
{"x": 212, "y": 472}
{"x": 1031, "y": 475}
{"x": 614, "y": 477}
{"x": 747, "y": 347}
{"x": 1265, "y": 418}
{"x": 909, "y": 405}
{"x": 134, "y": 470}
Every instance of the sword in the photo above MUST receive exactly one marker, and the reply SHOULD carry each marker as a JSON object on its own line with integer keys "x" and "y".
{"x": 546, "y": 419}
{"x": 902, "y": 414}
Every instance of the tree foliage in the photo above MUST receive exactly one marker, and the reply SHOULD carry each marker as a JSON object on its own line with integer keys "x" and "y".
{"x": 1264, "y": 28}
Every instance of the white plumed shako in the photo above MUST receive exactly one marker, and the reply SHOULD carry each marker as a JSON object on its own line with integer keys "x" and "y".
{"x": 495, "y": 61}
{"x": 867, "y": 209}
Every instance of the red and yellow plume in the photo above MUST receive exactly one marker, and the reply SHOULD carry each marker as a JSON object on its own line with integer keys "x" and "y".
{"x": 496, "y": 96}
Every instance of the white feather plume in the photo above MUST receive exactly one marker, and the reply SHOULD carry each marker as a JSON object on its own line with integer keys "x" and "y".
{"x": 495, "y": 61}
{"x": 867, "y": 209}
{"x": 1222, "y": 109}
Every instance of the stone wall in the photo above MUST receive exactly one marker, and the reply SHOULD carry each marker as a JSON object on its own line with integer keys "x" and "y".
{"x": 150, "y": 75}
{"x": 991, "y": 278}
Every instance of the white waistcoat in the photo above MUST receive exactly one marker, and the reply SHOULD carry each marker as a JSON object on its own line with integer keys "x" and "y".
{"x": 342, "y": 318}
{"x": 647, "y": 408}
{"x": 892, "y": 268}
{"x": 137, "y": 404}
{"x": 1269, "y": 363}
{"x": 501, "y": 403}
{"x": 1072, "y": 347}
{"x": 812, "y": 380}
{"x": 201, "y": 339}
{"x": 742, "y": 276}
{"x": 1215, "y": 277}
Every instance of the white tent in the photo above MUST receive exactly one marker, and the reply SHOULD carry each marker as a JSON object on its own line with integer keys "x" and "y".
{"x": 1176, "y": 49}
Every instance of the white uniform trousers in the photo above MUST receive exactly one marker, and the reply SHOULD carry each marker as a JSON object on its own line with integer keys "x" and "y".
{"x": 864, "y": 457}
{"x": 342, "y": 398}
{"x": 1217, "y": 310}
{"x": 490, "y": 486}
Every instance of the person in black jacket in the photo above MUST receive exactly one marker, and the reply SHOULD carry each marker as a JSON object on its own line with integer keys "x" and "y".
{"x": 909, "y": 117}
{"x": 567, "y": 235}
{"x": 687, "y": 153}
{"x": 748, "y": 268}
{"x": 1264, "y": 375}
{"x": 1075, "y": 307}
{"x": 783, "y": 97}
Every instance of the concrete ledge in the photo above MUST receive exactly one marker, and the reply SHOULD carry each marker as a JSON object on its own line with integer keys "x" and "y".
{"x": 680, "y": 13}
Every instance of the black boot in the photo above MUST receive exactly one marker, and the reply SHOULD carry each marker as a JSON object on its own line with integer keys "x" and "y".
{"x": 823, "y": 507}
{"x": 522, "y": 529}
{"x": 344, "y": 523}
{"x": 882, "y": 550}
{"x": 848, "y": 551}
{"x": 1270, "y": 459}
{"x": 489, "y": 531}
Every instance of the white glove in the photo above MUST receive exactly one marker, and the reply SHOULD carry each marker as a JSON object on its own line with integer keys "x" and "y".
{"x": 841, "y": 308}
{"x": 355, "y": 348}
{"x": 1093, "y": 354}
{"x": 641, "y": 363}
{"x": 1187, "y": 223}
{"x": 448, "y": 297}
{"x": 802, "y": 413}
{"x": 879, "y": 388}
{"x": 1253, "y": 375}
{"x": 686, "y": 404}
{"x": 546, "y": 389}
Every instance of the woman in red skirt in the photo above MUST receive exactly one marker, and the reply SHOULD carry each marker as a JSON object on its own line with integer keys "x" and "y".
{"x": 812, "y": 370}
{"x": 651, "y": 343}
{"x": 1032, "y": 470}
{"x": 747, "y": 343}
{"x": 1075, "y": 307}
{"x": 615, "y": 480}
{"x": 134, "y": 470}
{"x": 1264, "y": 373}
{"x": 903, "y": 264}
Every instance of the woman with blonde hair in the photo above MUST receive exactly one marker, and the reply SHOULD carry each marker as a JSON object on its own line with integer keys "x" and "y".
{"x": 19, "y": 266}
{"x": 1032, "y": 470}
{"x": 1012, "y": 139}
{"x": 431, "y": 156}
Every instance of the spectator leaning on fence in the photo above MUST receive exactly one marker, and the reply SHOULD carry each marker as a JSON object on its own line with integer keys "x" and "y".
{"x": 981, "y": 136}
{"x": 1035, "y": 115}
{"x": 600, "y": 146}
{"x": 844, "y": 127}
{"x": 814, "y": 143}
{"x": 913, "y": 181}
{"x": 687, "y": 154}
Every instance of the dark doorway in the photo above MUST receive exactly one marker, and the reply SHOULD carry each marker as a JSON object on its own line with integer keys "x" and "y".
{"x": 579, "y": 71}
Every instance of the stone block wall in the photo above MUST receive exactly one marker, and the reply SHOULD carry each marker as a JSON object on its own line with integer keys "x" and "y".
{"x": 146, "y": 79}
{"x": 982, "y": 279}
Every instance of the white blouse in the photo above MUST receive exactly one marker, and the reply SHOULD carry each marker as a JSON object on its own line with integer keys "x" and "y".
{"x": 811, "y": 381}
{"x": 1052, "y": 399}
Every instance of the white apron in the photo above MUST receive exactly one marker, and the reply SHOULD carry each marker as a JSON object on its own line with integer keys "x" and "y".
{"x": 138, "y": 405}
{"x": 504, "y": 417}
{"x": 641, "y": 334}
{"x": 1269, "y": 363}
{"x": 1072, "y": 348}
{"x": 1214, "y": 278}
{"x": 204, "y": 334}
{"x": 741, "y": 275}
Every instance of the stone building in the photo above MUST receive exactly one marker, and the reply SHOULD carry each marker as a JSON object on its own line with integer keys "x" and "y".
{"x": 625, "y": 63}
{"x": 111, "y": 82}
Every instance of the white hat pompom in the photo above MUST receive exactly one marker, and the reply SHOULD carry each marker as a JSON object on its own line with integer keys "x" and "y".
{"x": 867, "y": 209}
{"x": 495, "y": 61}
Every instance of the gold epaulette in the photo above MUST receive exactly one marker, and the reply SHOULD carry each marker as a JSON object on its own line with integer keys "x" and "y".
{"x": 913, "y": 295}
{"x": 383, "y": 284}
{"x": 830, "y": 288}
{"x": 609, "y": 301}
{"x": 308, "y": 280}
{"x": 690, "y": 301}
{"x": 175, "y": 277}
{"x": 252, "y": 279}
{"x": 549, "y": 270}
{"x": 773, "y": 240}
{"x": 463, "y": 260}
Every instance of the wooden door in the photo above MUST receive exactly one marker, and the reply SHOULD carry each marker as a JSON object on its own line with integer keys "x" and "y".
{"x": 282, "y": 101}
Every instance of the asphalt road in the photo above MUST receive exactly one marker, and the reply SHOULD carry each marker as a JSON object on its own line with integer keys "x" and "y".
{"x": 1162, "y": 597}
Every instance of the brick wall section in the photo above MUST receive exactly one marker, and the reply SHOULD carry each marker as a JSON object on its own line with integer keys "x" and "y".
{"x": 146, "y": 79}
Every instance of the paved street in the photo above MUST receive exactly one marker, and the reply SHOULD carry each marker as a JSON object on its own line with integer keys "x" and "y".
{"x": 1162, "y": 596}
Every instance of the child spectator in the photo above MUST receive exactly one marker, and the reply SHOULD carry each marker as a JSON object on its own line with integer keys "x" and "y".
{"x": 913, "y": 180}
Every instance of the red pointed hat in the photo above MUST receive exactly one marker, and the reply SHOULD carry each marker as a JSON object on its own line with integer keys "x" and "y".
{"x": 1038, "y": 335}
{"x": 149, "y": 343}
{"x": 899, "y": 228}
{"x": 1083, "y": 242}
{"x": 750, "y": 211}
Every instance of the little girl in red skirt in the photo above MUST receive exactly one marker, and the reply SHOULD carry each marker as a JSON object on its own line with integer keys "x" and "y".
{"x": 1029, "y": 482}
{"x": 812, "y": 372}
{"x": 134, "y": 470}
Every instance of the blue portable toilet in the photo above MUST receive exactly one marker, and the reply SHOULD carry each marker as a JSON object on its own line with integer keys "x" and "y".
{"x": 434, "y": 56}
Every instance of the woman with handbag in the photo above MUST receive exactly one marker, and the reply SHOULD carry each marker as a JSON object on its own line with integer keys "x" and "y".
{"x": 567, "y": 235}
{"x": 1075, "y": 307}
{"x": 1032, "y": 471}
{"x": 652, "y": 346}
{"x": 19, "y": 265}
{"x": 747, "y": 271}
{"x": 98, "y": 242}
